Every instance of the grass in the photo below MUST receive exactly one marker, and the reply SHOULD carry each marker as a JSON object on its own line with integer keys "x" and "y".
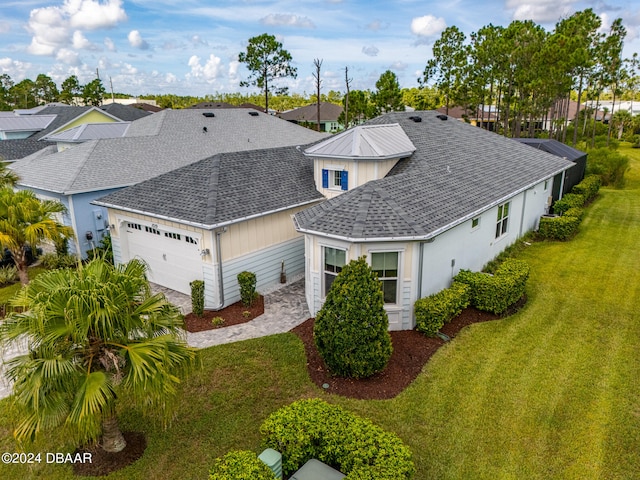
{"x": 552, "y": 392}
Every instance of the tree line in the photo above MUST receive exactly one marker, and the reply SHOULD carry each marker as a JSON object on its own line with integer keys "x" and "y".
{"x": 29, "y": 93}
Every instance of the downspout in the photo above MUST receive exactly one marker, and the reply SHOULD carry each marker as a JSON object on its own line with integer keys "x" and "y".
{"x": 420, "y": 265}
{"x": 219, "y": 257}
{"x": 524, "y": 206}
{"x": 76, "y": 239}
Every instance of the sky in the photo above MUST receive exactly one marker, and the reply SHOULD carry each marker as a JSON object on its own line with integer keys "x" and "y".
{"x": 191, "y": 47}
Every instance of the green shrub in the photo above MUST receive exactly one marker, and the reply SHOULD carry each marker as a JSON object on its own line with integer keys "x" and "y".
{"x": 559, "y": 228}
{"x": 197, "y": 297}
{"x": 353, "y": 445}
{"x": 588, "y": 187}
{"x": 8, "y": 275}
{"x": 575, "y": 212}
{"x": 247, "y": 282}
{"x": 496, "y": 293}
{"x": 434, "y": 311}
{"x": 351, "y": 330}
{"x": 240, "y": 465}
{"x": 103, "y": 250}
{"x": 609, "y": 165}
{"x": 53, "y": 261}
{"x": 570, "y": 200}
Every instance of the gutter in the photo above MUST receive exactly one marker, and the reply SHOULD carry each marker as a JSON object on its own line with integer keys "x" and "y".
{"x": 202, "y": 225}
{"x": 438, "y": 231}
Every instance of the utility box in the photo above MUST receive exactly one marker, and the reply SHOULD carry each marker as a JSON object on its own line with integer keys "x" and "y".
{"x": 273, "y": 460}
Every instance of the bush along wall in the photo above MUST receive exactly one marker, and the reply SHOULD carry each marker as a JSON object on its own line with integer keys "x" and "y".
{"x": 570, "y": 200}
{"x": 496, "y": 293}
{"x": 434, "y": 311}
{"x": 588, "y": 187}
{"x": 247, "y": 282}
{"x": 353, "y": 445}
{"x": 240, "y": 465}
{"x": 558, "y": 228}
{"x": 197, "y": 297}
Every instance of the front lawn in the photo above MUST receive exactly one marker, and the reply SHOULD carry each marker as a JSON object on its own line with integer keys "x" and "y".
{"x": 549, "y": 393}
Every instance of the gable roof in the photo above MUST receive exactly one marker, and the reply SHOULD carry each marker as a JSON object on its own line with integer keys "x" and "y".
{"x": 223, "y": 188}
{"x": 21, "y": 123}
{"x": 329, "y": 112}
{"x": 128, "y": 113}
{"x": 157, "y": 144}
{"x": 370, "y": 142}
{"x": 456, "y": 172}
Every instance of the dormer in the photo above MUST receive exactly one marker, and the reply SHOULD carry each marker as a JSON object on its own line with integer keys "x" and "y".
{"x": 357, "y": 156}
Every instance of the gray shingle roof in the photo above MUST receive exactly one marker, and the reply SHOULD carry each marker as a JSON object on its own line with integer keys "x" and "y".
{"x": 157, "y": 144}
{"x": 125, "y": 112}
{"x": 457, "y": 171}
{"x": 224, "y": 188}
{"x": 329, "y": 112}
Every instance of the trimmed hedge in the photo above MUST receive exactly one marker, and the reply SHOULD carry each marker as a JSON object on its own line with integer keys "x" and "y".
{"x": 434, "y": 311}
{"x": 247, "y": 282}
{"x": 353, "y": 445}
{"x": 568, "y": 201}
{"x": 575, "y": 212}
{"x": 495, "y": 293}
{"x": 240, "y": 465}
{"x": 197, "y": 297}
{"x": 559, "y": 228}
{"x": 588, "y": 187}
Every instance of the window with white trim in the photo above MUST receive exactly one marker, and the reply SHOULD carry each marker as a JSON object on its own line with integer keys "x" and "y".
{"x": 334, "y": 260}
{"x": 191, "y": 240}
{"x": 175, "y": 236}
{"x": 502, "y": 224}
{"x": 335, "y": 179}
{"x": 155, "y": 231}
{"x": 135, "y": 226}
{"x": 385, "y": 264}
{"x": 475, "y": 223}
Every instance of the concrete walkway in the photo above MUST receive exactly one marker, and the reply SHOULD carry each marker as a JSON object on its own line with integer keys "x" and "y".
{"x": 284, "y": 309}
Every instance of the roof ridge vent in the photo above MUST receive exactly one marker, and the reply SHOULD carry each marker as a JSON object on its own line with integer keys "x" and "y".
{"x": 253, "y": 114}
{"x": 209, "y": 114}
{"x": 415, "y": 118}
{"x": 442, "y": 117}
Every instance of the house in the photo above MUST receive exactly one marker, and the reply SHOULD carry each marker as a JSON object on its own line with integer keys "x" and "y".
{"x": 457, "y": 201}
{"x": 152, "y": 145}
{"x": 420, "y": 195}
{"x": 308, "y": 116}
{"x": 574, "y": 175}
{"x": 85, "y": 132}
{"x": 22, "y": 133}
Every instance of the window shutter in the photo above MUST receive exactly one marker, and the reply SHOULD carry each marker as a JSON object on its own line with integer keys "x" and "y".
{"x": 325, "y": 178}
{"x": 344, "y": 180}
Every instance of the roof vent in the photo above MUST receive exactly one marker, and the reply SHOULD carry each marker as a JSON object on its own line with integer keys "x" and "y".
{"x": 442, "y": 117}
{"x": 416, "y": 119}
{"x": 254, "y": 114}
{"x": 209, "y": 114}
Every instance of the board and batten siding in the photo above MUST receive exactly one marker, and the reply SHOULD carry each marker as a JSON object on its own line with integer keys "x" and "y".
{"x": 359, "y": 172}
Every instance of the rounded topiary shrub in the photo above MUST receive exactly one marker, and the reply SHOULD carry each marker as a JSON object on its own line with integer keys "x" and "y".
{"x": 240, "y": 465}
{"x": 247, "y": 282}
{"x": 351, "y": 330}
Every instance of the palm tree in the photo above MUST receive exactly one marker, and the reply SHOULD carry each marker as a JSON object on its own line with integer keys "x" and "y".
{"x": 26, "y": 221}
{"x": 94, "y": 332}
{"x": 8, "y": 178}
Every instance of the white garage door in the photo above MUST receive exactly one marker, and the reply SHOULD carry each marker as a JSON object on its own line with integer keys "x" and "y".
{"x": 173, "y": 256}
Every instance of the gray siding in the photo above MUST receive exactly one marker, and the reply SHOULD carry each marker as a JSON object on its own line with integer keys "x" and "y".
{"x": 266, "y": 265}
{"x": 117, "y": 250}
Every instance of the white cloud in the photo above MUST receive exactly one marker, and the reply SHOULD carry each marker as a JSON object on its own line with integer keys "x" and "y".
{"x": 110, "y": 45}
{"x": 136, "y": 40}
{"x": 211, "y": 71}
{"x": 371, "y": 51}
{"x": 376, "y": 25}
{"x": 541, "y": 11}
{"x": 427, "y": 26}
{"x": 278, "y": 19}
{"x": 5, "y": 27}
{"x": 16, "y": 69}
{"x": 68, "y": 57}
{"x": 399, "y": 66}
{"x": 94, "y": 14}
{"x": 52, "y": 27}
{"x": 80, "y": 42}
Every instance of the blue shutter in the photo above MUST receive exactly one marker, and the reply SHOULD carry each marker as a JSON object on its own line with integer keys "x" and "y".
{"x": 344, "y": 180}
{"x": 325, "y": 178}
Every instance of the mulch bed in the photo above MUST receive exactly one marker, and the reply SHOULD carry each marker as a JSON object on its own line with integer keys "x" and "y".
{"x": 103, "y": 463}
{"x": 411, "y": 351}
{"x": 233, "y": 315}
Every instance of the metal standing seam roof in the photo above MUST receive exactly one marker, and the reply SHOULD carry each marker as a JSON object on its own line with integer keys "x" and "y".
{"x": 90, "y": 131}
{"x": 368, "y": 142}
{"x": 157, "y": 144}
{"x": 456, "y": 172}
{"x": 21, "y": 123}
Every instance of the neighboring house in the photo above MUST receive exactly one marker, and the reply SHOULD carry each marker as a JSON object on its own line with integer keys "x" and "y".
{"x": 420, "y": 195}
{"x": 308, "y": 116}
{"x": 127, "y": 112}
{"x": 26, "y": 129}
{"x": 153, "y": 145}
{"x": 574, "y": 175}
{"x": 85, "y": 132}
{"x": 457, "y": 201}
